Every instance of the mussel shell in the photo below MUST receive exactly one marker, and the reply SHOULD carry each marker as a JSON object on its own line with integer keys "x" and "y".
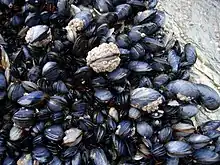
{"x": 103, "y": 95}
{"x": 146, "y": 99}
{"x": 15, "y": 133}
{"x": 41, "y": 154}
{"x": 50, "y": 71}
{"x": 123, "y": 11}
{"x": 57, "y": 103}
{"x": 144, "y": 129}
{"x": 29, "y": 86}
{"x": 32, "y": 99}
{"x": 161, "y": 80}
{"x": 178, "y": 149}
{"x": 24, "y": 118}
{"x": 139, "y": 67}
{"x": 183, "y": 129}
{"x": 134, "y": 113}
{"x": 199, "y": 141}
{"x": 103, "y": 6}
{"x": 124, "y": 129}
{"x": 165, "y": 134}
{"x": 210, "y": 125}
{"x": 159, "y": 18}
{"x": 118, "y": 75}
{"x": 15, "y": 91}
{"x": 208, "y": 97}
{"x": 190, "y": 54}
{"x": 188, "y": 111}
{"x": 206, "y": 156}
{"x": 98, "y": 157}
{"x": 54, "y": 133}
{"x": 3, "y": 82}
{"x": 145, "y": 16}
{"x": 184, "y": 90}
{"x": 55, "y": 161}
{"x": 152, "y": 45}
{"x": 8, "y": 161}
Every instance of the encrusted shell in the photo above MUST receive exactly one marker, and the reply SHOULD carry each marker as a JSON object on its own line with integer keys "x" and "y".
{"x": 104, "y": 58}
{"x": 36, "y": 32}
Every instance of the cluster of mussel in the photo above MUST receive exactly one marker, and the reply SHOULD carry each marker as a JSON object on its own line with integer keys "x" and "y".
{"x": 99, "y": 82}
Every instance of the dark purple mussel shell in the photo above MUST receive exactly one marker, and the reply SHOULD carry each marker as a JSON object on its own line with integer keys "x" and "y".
{"x": 139, "y": 67}
{"x": 183, "y": 90}
{"x": 165, "y": 134}
{"x": 188, "y": 111}
{"x": 123, "y": 11}
{"x": 33, "y": 99}
{"x": 190, "y": 55}
{"x": 24, "y": 118}
{"x": 57, "y": 103}
{"x": 124, "y": 129}
{"x": 15, "y": 91}
{"x": 50, "y": 71}
{"x": 54, "y": 133}
{"x": 41, "y": 154}
{"x": 103, "y": 95}
{"x": 103, "y": 6}
{"x": 118, "y": 75}
{"x": 208, "y": 97}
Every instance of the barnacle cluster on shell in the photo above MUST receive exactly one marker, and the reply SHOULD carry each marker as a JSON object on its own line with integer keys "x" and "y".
{"x": 104, "y": 58}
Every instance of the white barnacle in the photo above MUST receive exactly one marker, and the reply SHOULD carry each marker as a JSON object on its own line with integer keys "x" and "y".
{"x": 104, "y": 58}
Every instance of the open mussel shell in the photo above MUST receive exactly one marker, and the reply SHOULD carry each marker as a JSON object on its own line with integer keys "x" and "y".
{"x": 178, "y": 149}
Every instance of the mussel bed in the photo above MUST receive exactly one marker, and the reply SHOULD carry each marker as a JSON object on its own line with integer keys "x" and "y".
{"x": 99, "y": 82}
